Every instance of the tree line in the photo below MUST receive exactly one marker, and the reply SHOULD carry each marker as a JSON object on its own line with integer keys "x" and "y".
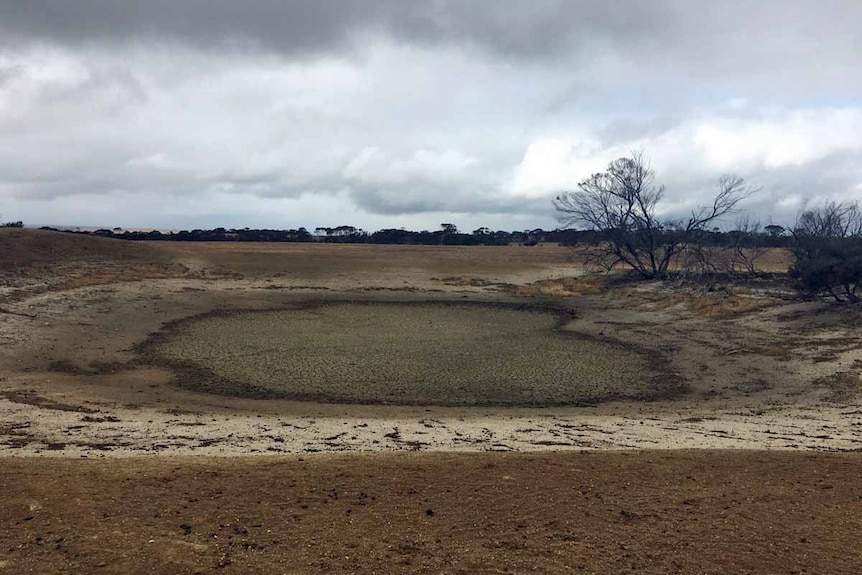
{"x": 448, "y": 235}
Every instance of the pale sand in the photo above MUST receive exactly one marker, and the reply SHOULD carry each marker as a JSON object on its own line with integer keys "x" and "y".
{"x": 742, "y": 398}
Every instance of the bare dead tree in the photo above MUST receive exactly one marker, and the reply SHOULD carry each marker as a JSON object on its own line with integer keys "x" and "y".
{"x": 831, "y": 220}
{"x": 746, "y": 247}
{"x": 621, "y": 203}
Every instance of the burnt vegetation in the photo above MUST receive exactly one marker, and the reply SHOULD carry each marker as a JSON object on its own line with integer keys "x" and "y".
{"x": 622, "y": 203}
{"x": 827, "y": 249}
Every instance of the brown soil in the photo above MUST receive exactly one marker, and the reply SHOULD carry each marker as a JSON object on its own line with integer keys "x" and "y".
{"x": 624, "y": 512}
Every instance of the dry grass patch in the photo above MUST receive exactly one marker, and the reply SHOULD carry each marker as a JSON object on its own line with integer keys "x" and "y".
{"x": 718, "y": 306}
{"x": 722, "y": 303}
{"x": 565, "y": 287}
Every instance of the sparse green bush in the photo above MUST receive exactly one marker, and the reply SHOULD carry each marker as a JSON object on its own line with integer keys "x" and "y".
{"x": 833, "y": 268}
{"x": 828, "y": 251}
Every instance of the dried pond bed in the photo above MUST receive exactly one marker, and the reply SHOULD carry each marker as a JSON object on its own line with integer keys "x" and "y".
{"x": 407, "y": 353}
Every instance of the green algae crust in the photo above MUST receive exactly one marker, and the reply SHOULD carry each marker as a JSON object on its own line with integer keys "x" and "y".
{"x": 427, "y": 353}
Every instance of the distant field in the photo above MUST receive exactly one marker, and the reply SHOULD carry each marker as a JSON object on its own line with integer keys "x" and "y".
{"x": 311, "y": 260}
{"x": 105, "y": 260}
{"x": 314, "y": 260}
{"x": 427, "y": 353}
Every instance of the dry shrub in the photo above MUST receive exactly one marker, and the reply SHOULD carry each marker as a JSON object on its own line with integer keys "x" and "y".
{"x": 729, "y": 305}
{"x": 565, "y": 287}
{"x": 656, "y": 296}
{"x": 720, "y": 304}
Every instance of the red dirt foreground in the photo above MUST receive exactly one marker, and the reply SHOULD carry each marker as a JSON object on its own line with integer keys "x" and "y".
{"x": 565, "y": 512}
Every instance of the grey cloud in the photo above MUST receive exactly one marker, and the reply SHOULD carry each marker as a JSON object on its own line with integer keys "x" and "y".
{"x": 429, "y": 198}
{"x": 301, "y": 26}
{"x": 832, "y": 177}
{"x": 628, "y": 129}
{"x": 305, "y": 26}
{"x": 783, "y": 50}
{"x": 779, "y": 194}
{"x": 10, "y": 73}
{"x": 210, "y": 100}
{"x": 678, "y": 30}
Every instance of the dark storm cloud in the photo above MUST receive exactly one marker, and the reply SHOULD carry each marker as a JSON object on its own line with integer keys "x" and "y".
{"x": 520, "y": 28}
{"x": 711, "y": 38}
{"x": 291, "y": 25}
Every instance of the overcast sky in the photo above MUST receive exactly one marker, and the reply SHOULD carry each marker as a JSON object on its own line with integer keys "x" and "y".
{"x": 279, "y": 113}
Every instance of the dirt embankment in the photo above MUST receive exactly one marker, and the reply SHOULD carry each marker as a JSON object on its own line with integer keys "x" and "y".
{"x": 40, "y": 261}
{"x": 25, "y": 249}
